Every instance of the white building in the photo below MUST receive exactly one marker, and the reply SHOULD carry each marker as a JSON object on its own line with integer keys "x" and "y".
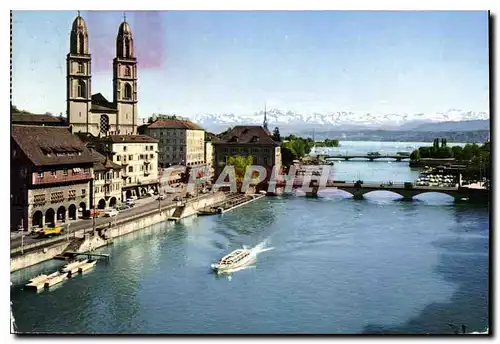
{"x": 138, "y": 157}
{"x": 107, "y": 183}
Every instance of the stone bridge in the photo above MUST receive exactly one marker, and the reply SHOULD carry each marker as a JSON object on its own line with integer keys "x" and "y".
{"x": 407, "y": 193}
{"x": 368, "y": 157}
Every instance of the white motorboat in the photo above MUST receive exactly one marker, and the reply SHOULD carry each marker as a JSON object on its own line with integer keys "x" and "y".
{"x": 234, "y": 260}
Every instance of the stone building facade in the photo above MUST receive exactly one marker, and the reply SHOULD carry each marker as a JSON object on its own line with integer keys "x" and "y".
{"x": 181, "y": 142}
{"x": 108, "y": 183}
{"x": 51, "y": 174}
{"x": 94, "y": 114}
{"x": 255, "y": 141}
{"x": 138, "y": 157}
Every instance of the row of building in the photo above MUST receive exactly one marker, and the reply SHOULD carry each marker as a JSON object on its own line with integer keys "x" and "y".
{"x": 99, "y": 155}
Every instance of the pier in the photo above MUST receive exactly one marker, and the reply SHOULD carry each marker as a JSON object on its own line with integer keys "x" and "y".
{"x": 231, "y": 203}
{"x": 106, "y": 256}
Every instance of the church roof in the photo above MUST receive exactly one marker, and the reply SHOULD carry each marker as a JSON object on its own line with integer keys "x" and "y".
{"x": 124, "y": 29}
{"x": 79, "y": 23}
{"x": 101, "y": 104}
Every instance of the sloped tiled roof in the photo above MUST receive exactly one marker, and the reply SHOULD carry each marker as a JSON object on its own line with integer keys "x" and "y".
{"x": 102, "y": 162}
{"x": 126, "y": 139}
{"x": 49, "y": 145}
{"x": 251, "y": 134}
{"x": 26, "y": 118}
{"x": 100, "y": 103}
{"x": 175, "y": 124}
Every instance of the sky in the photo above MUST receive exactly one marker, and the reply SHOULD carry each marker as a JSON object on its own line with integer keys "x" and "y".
{"x": 195, "y": 62}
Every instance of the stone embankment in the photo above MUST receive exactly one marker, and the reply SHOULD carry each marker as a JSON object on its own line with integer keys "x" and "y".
{"x": 39, "y": 253}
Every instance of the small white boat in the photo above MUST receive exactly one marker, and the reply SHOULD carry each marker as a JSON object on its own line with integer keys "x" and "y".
{"x": 88, "y": 265}
{"x": 233, "y": 260}
{"x": 72, "y": 268}
{"x": 55, "y": 278}
{"x": 37, "y": 282}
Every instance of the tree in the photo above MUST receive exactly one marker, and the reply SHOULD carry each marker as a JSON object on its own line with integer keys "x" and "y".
{"x": 415, "y": 155}
{"x": 276, "y": 135}
{"x": 240, "y": 164}
{"x": 287, "y": 157}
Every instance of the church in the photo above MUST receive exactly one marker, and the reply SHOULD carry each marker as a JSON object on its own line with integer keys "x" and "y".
{"x": 93, "y": 113}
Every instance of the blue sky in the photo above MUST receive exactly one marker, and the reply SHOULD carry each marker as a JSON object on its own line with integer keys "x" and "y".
{"x": 222, "y": 62}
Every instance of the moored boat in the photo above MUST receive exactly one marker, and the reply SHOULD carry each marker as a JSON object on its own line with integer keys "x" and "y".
{"x": 233, "y": 260}
{"x": 55, "y": 278}
{"x": 37, "y": 282}
{"x": 88, "y": 265}
{"x": 73, "y": 268}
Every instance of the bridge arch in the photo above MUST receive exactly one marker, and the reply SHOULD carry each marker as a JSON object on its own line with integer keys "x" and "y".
{"x": 435, "y": 195}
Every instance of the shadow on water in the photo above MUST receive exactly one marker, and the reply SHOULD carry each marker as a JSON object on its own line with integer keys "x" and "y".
{"x": 464, "y": 261}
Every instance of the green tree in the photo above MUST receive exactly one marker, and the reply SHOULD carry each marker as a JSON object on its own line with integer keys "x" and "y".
{"x": 415, "y": 155}
{"x": 276, "y": 134}
{"x": 240, "y": 164}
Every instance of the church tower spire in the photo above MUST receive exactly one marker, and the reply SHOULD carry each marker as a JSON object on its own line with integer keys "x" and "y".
{"x": 78, "y": 77}
{"x": 125, "y": 80}
{"x": 265, "y": 117}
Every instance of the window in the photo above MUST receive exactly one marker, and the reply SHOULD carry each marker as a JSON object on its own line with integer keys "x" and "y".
{"x": 130, "y": 157}
{"x": 118, "y": 157}
{"x": 127, "y": 92}
{"x": 124, "y": 148}
{"x": 130, "y": 169}
{"x": 65, "y": 171}
{"x": 53, "y": 172}
{"x": 142, "y": 167}
{"x": 80, "y": 68}
{"x": 127, "y": 71}
{"x": 87, "y": 170}
{"x": 81, "y": 91}
{"x": 83, "y": 192}
{"x": 150, "y": 147}
{"x": 40, "y": 174}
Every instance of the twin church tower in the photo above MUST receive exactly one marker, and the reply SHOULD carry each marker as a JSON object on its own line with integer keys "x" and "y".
{"x": 94, "y": 114}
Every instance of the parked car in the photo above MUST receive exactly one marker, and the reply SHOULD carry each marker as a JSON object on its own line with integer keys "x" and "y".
{"x": 130, "y": 202}
{"x": 123, "y": 207}
{"x": 111, "y": 213}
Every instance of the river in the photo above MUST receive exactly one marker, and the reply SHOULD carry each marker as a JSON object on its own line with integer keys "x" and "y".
{"x": 333, "y": 265}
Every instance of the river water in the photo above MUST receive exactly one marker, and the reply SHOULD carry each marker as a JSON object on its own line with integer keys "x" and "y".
{"x": 328, "y": 265}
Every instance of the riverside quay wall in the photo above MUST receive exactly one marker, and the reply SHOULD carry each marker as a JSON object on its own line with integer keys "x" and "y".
{"x": 48, "y": 249}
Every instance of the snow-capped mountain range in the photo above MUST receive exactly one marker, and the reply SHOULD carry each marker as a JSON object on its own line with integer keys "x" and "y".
{"x": 335, "y": 120}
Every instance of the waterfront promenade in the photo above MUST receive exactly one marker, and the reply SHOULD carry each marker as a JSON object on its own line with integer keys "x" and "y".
{"x": 143, "y": 206}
